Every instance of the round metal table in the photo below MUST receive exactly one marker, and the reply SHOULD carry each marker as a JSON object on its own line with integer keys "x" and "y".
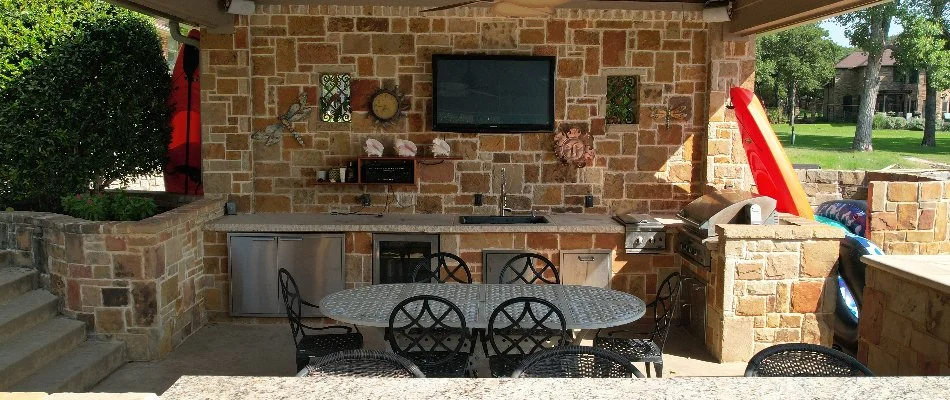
{"x": 584, "y": 307}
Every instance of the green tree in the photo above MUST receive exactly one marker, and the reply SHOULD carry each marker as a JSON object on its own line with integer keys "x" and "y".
{"x": 868, "y": 30}
{"x": 799, "y": 60}
{"x": 83, "y": 101}
{"x": 923, "y": 45}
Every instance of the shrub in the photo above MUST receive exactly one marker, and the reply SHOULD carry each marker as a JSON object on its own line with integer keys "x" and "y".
{"x": 879, "y": 121}
{"x": 109, "y": 207}
{"x": 84, "y": 107}
{"x": 916, "y": 124}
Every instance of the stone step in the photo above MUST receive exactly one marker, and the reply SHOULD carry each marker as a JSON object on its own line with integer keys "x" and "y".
{"x": 24, "y": 354}
{"x": 78, "y": 370}
{"x": 25, "y": 311}
{"x": 16, "y": 281}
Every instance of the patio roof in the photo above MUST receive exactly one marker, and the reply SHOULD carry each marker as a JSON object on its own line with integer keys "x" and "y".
{"x": 749, "y": 17}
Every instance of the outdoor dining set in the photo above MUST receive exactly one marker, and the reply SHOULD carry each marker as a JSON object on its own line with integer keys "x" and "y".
{"x": 524, "y": 327}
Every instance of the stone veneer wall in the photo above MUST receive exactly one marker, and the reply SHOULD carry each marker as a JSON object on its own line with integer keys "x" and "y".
{"x": 769, "y": 285}
{"x": 905, "y": 326}
{"x": 140, "y": 282}
{"x": 635, "y": 274}
{"x": 823, "y": 185}
{"x": 251, "y": 76}
{"x": 909, "y": 217}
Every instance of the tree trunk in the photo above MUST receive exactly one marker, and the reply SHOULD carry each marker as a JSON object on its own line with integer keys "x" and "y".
{"x": 880, "y": 23}
{"x": 791, "y": 114}
{"x": 930, "y": 115}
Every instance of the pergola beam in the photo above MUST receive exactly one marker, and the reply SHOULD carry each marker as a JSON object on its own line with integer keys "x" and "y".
{"x": 204, "y": 13}
{"x": 757, "y": 16}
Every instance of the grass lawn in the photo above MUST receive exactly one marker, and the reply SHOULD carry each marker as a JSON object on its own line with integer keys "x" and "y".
{"x": 829, "y": 145}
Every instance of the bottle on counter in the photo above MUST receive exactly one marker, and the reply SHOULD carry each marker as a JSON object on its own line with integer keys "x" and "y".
{"x": 351, "y": 172}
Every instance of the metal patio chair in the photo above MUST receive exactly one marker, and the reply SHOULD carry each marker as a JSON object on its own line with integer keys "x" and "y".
{"x": 520, "y": 327}
{"x": 431, "y": 332}
{"x": 529, "y": 268}
{"x": 362, "y": 364}
{"x": 576, "y": 362}
{"x": 803, "y": 359}
{"x": 442, "y": 272}
{"x": 647, "y": 347}
{"x": 311, "y": 341}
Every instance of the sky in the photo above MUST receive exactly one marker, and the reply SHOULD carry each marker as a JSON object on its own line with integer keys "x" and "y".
{"x": 837, "y": 32}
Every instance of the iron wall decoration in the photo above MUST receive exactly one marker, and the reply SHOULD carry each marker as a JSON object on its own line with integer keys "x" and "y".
{"x": 387, "y": 105}
{"x": 297, "y": 112}
{"x": 335, "y": 98}
{"x": 574, "y": 147}
{"x": 669, "y": 114}
{"x": 623, "y": 99}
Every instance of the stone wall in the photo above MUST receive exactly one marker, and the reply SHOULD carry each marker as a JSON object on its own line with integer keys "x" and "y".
{"x": 134, "y": 281}
{"x": 823, "y": 185}
{"x": 770, "y": 285}
{"x": 909, "y": 217}
{"x": 251, "y": 76}
{"x": 631, "y": 273}
{"x": 904, "y": 328}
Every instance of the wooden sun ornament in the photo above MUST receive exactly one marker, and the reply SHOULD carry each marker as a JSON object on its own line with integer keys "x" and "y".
{"x": 669, "y": 113}
{"x": 574, "y": 147}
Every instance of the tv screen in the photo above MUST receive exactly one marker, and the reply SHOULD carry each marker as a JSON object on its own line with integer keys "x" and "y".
{"x": 486, "y": 93}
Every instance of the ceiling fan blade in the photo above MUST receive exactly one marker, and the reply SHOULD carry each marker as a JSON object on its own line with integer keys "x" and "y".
{"x": 464, "y": 3}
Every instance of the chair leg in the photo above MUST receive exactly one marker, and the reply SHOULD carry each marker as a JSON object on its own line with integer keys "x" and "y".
{"x": 659, "y": 369}
{"x": 647, "y": 365}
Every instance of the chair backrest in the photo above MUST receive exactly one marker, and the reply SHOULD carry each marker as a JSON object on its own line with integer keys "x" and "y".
{"x": 428, "y": 324}
{"x": 362, "y": 364}
{"x": 664, "y": 307}
{"x": 803, "y": 359}
{"x": 292, "y": 302}
{"x": 442, "y": 272}
{"x": 576, "y": 362}
{"x": 524, "y": 325}
{"x": 529, "y": 268}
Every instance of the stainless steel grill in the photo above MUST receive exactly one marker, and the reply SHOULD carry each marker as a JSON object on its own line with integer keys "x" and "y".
{"x": 644, "y": 234}
{"x": 698, "y": 236}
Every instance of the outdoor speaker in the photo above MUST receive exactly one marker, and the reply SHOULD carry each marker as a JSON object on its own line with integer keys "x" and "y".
{"x": 240, "y": 7}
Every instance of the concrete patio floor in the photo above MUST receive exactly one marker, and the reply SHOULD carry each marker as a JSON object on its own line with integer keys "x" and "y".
{"x": 267, "y": 350}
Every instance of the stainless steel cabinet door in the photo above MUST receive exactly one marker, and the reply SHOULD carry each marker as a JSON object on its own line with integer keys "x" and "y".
{"x": 494, "y": 260}
{"x": 315, "y": 262}
{"x": 586, "y": 267}
{"x": 254, "y": 289}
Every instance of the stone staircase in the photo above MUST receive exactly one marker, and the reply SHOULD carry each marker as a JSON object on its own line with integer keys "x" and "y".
{"x": 41, "y": 351}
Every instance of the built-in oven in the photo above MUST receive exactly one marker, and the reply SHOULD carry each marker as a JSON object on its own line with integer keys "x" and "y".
{"x": 396, "y": 255}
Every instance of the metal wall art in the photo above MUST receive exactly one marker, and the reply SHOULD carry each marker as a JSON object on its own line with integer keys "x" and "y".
{"x": 335, "y": 98}
{"x": 297, "y": 112}
{"x": 668, "y": 114}
{"x": 623, "y": 99}
{"x": 387, "y": 105}
{"x": 574, "y": 147}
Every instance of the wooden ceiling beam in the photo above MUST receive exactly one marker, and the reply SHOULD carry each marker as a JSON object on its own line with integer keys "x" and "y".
{"x": 757, "y": 16}
{"x": 204, "y": 13}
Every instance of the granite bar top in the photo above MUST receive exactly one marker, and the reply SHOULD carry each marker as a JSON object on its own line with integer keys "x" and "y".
{"x": 931, "y": 271}
{"x": 236, "y": 388}
{"x": 416, "y": 223}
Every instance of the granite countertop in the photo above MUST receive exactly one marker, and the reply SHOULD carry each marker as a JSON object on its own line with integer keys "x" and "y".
{"x": 931, "y": 271}
{"x": 236, "y": 388}
{"x": 424, "y": 223}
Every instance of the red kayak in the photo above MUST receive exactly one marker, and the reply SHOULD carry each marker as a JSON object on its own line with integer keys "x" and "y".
{"x": 183, "y": 171}
{"x": 771, "y": 170}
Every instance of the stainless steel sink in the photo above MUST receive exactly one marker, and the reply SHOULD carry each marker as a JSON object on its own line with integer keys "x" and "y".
{"x": 497, "y": 219}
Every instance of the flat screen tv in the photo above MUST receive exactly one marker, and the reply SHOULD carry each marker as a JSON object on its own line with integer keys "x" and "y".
{"x": 491, "y": 93}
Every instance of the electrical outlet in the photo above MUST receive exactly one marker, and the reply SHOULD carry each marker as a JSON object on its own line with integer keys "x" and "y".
{"x": 589, "y": 201}
{"x": 366, "y": 200}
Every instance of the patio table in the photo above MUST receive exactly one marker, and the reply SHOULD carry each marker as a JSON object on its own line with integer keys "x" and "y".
{"x": 584, "y": 307}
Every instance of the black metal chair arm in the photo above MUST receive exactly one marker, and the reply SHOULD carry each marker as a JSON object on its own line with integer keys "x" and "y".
{"x": 324, "y": 328}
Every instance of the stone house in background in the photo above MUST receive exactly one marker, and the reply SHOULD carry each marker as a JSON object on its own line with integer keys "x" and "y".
{"x": 901, "y": 91}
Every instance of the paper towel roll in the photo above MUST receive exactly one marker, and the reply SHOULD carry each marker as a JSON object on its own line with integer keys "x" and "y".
{"x": 716, "y": 14}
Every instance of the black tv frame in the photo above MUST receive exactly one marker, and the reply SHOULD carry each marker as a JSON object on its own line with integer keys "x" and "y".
{"x": 484, "y": 128}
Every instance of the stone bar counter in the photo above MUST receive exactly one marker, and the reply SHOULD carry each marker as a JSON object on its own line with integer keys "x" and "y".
{"x": 237, "y": 388}
{"x": 905, "y": 317}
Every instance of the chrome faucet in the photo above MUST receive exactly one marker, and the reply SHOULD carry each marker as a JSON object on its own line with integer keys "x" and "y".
{"x": 502, "y": 200}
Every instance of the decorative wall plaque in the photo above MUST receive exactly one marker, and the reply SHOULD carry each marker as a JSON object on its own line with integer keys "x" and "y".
{"x": 335, "y": 98}
{"x": 574, "y": 147}
{"x": 297, "y": 112}
{"x": 623, "y": 99}
{"x": 387, "y": 106}
{"x": 668, "y": 114}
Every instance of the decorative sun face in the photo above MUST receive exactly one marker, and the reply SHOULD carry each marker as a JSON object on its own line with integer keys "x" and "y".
{"x": 387, "y": 106}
